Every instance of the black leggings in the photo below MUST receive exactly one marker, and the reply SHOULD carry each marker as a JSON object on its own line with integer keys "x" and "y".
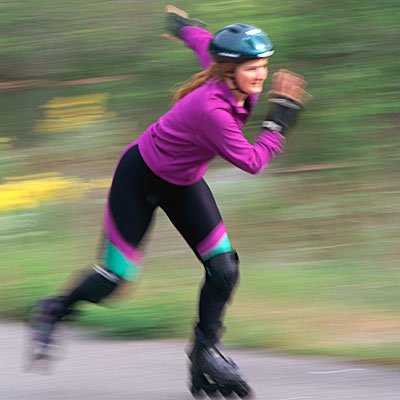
{"x": 135, "y": 194}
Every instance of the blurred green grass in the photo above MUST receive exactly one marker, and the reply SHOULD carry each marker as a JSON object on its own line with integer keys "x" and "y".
{"x": 319, "y": 247}
{"x": 347, "y": 51}
{"x": 319, "y": 272}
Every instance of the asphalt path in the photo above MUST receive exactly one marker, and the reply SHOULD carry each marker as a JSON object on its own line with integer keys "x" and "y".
{"x": 98, "y": 369}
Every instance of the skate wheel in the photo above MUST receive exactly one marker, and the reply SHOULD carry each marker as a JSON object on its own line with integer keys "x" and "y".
{"x": 211, "y": 390}
{"x": 226, "y": 392}
{"x": 197, "y": 393}
{"x": 243, "y": 391}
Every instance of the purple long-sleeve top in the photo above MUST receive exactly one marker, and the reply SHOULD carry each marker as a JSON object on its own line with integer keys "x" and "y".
{"x": 204, "y": 124}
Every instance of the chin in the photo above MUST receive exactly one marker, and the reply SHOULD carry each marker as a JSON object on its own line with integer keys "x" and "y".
{"x": 255, "y": 90}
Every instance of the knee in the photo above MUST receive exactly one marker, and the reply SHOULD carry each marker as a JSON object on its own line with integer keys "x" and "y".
{"x": 222, "y": 272}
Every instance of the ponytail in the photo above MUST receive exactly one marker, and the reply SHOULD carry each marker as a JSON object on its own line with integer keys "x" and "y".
{"x": 216, "y": 70}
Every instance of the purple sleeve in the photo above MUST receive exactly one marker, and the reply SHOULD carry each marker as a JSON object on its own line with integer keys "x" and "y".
{"x": 225, "y": 139}
{"x": 198, "y": 40}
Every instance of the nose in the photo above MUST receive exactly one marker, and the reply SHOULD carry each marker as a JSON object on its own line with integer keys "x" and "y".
{"x": 262, "y": 73}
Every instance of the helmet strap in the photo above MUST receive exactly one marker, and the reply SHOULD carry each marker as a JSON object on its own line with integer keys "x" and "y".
{"x": 234, "y": 81}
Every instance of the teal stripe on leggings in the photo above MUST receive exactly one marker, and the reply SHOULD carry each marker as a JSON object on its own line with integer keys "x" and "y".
{"x": 223, "y": 247}
{"x": 117, "y": 263}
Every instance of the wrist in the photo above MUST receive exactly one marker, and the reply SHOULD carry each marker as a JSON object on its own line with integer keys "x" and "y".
{"x": 265, "y": 130}
{"x": 271, "y": 126}
{"x": 282, "y": 114}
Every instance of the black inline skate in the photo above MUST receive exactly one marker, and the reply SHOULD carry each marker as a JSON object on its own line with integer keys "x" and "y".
{"x": 212, "y": 373}
{"x": 43, "y": 318}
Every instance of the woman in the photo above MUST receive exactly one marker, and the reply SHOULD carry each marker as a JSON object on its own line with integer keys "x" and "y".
{"x": 165, "y": 167}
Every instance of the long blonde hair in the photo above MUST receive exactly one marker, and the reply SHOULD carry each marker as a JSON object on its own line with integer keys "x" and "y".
{"x": 215, "y": 70}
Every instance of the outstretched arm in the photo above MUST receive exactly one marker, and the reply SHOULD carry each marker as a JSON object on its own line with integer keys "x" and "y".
{"x": 180, "y": 28}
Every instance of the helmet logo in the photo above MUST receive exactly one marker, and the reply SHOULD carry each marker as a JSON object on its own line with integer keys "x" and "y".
{"x": 253, "y": 31}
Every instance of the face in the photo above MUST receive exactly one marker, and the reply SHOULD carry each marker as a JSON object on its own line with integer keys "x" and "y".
{"x": 251, "y": 75}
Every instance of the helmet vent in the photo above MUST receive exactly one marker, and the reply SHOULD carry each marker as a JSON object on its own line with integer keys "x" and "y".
{"x": 234, "y": 30}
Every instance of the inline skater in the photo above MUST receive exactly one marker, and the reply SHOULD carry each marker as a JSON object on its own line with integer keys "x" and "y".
{"x": 165, "y": 167}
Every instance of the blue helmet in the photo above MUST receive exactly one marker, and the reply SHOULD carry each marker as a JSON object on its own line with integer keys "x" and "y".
{"x": 239, "y": 43}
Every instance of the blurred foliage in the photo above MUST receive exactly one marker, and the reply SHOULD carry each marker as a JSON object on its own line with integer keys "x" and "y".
{"x": 317, "y": 233}
{"x": 347, "y": 50}
{"x": 319, "y": 264}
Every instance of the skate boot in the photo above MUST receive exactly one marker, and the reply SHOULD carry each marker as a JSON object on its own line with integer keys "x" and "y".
{"x": 211, "y": 372}
{"x": 44, "y": 316}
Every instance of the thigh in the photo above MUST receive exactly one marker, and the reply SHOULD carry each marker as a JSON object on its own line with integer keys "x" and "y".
{"x": 128, "y": 215}
{"x": 130, "y": 202}
{"x": 195, "y": 214}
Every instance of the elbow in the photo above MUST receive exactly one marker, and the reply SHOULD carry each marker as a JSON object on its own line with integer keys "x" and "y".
{"x": 257, "y": 165}
{"x": 253, "y": 163}
{"x": 254, "y": 169}
{"x": 259, "y": 162}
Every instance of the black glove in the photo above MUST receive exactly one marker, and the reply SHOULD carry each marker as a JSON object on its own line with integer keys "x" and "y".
{"x": 281, "y": 115}
{"x": 175, "y": 22}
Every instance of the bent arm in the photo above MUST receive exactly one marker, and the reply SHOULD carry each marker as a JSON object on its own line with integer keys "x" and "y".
{"x": 225, "y": 139}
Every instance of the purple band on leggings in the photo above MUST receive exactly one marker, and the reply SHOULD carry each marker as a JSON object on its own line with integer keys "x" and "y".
{"x": 211, "y": 242}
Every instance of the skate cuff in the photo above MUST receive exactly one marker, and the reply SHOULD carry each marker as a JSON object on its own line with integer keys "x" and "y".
{"x": 106, "y": 274}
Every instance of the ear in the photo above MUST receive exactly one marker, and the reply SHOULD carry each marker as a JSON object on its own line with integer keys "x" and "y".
{"x": 231, "y": 73}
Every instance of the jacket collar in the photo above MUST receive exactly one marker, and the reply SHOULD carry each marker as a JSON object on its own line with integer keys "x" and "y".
{"x": 227, "y": 94}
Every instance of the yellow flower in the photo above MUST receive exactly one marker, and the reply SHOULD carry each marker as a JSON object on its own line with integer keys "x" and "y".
{"x": 32, "y": 190}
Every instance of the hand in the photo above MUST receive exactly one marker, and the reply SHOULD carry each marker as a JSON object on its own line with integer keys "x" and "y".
{"x": 172, "y": 9}
{"x": 290, "y": 85}
{"x": 179, "y": 15}
{"x": 286, "y": 98}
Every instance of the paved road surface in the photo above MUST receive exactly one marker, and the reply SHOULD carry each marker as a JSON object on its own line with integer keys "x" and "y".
{"x": 93, "y": 369}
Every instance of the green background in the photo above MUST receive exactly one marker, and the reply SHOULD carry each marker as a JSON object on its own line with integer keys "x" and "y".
{"x": 317, "y": 232}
